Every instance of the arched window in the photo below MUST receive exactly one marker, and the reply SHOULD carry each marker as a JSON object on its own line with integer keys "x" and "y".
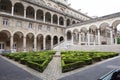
{"x": 48, "y": 17}
{"x": 55, "y": 19}
{"x": 6, "y": 6}
{"x": 30, "y": 12}
{"x": 61, "y": 21}
{"x": 40, "y": 15}
{"x": 19, "y": 9}
{"x": 68, "y": 22}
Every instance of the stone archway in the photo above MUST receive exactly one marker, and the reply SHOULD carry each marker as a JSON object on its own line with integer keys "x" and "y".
{"x": 69, "y": 35}
{"x": 39, "y": 42}
{"x": 40, "y": 15}
{"x": 19, "y": 9}
{"x": 48, "y": 17}
{"x": 30, "y": 12}
{"x": 30, "y": 41}
{"x": 18, "y": 42}
{"x": 6, "y": 6}
{"x": 55, "y": 40}
{"x": 55, "y": 19}
{"x": 5, "y": 40}
{"x": 48, "y": 42}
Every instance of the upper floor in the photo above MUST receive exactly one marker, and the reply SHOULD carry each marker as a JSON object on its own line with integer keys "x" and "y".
{"x": 32, "y": 10}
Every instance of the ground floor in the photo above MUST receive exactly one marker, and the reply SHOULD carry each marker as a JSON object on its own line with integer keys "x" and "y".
{"x": 19, "y": 42}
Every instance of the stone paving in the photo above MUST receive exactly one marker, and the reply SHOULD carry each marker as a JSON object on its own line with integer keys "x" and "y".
{"x": 53, "y": 70}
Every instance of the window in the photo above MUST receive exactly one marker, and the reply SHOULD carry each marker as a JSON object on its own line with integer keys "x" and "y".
{"x": 19, "y": 24}
{"x": 5, "y": 22}
{"x": 39, "y": 27}
{"x": 48, "y": 28}
{"x": 30, "y": 26}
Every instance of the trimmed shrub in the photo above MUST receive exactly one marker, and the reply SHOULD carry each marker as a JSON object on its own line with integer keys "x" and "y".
{"x": 75, "y": 59}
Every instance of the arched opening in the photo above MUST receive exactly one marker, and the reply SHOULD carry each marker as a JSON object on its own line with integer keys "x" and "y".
{"x": 84, "y": 38}
{"x": 30, "y": 41}
{"x": 30, "y": 12}
{"x": 75, "y": 36}
{"x": 73, "y": 22}
{"x": 69, "y": 35}
{"x": 40, "y": 42}
{"x": 48, "y": 17}
{"x": 55, "y": 19}
{"x": 18, "y": 42}
{"x": 105, "y": 33}
{"x": 48, "y": 42}
{"x": 61, "y": 39}
{"x": 68, "y": 22}
{"x": 6, "y": 6}
{"x": 61, "y": 21}
{"x": 4, "y": 40}
{"x": 19, "y": 9}
{"x": 40, "y": 15}
{"x": 93, "y": 34}
{"x": 55, "y": 40}
{"x": 116, "y": 31}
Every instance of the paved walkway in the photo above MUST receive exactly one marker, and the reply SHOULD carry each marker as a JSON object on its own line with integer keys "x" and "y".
{"x": 9, "y": 71}
{"x": 53, "y": 70}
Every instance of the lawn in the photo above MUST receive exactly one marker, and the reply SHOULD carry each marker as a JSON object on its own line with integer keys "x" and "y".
{"x": 35, "y": 60}
{"x": 75, "y": 59}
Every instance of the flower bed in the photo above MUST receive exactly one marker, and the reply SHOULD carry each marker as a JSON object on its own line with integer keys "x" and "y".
{"x": 76, "y": 59}
{"x": 35, "y": 60}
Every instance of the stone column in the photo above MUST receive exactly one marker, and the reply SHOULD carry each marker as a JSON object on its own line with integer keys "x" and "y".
{"x": 59, "y": 40}
{"x": 51, "y": 19}
{"x": 115, "y": 40}
{"x": 24, "y": 44}
{"x": 35, "y": 44}
{"x": 88, "y": 36}
{"x": 12, "y": 10}
{"x": 111, "y": 37}
{"x": 58, "y": 21}
{"x": 35, "y": 14}
{"x": 11, "y": 44}
{"x": 64, "y": 22}
{"x": 44, "y": 18}
{"x": 51, "y": 43}
{"x": 79, "y": 38}
{"x": 44, "y": 43}
{"x": 72, "y": 38}
{"x": 25, "y": 13}
{"x": 99, "y": 41}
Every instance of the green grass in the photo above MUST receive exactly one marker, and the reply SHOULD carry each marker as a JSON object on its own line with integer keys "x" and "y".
{"x": 35, "y": 60}
{"x": 76, "y": 59}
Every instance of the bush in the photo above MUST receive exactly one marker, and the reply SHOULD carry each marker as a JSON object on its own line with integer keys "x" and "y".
{"x": 35, "y": 60}
{"x": 76, "y": 59}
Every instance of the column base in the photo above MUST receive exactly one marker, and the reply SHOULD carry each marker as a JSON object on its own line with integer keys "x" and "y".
{"x": 24, "y": 50}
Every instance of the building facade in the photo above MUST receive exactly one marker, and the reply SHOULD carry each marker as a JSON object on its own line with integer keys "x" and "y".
{"x": 34, "y": 25}
{"x": 28, "y": 25}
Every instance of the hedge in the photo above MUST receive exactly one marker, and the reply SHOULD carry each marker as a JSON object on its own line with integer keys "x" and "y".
{"x": 35, "y": 60}
{"x": 75, "y": 59}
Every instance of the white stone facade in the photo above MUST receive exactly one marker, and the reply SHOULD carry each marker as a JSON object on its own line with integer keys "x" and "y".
{"x": 34, "y": 25}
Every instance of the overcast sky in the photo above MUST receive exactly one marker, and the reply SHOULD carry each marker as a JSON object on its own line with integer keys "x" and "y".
{"x": 96, "y": 7}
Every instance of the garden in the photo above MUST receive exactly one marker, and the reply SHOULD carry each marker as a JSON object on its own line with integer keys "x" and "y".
{"x": 35, "y": 60}
{"x": 75, "y": 59}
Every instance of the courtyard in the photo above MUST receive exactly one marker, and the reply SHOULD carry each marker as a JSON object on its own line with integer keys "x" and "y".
{"x": 11, "y": 70}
